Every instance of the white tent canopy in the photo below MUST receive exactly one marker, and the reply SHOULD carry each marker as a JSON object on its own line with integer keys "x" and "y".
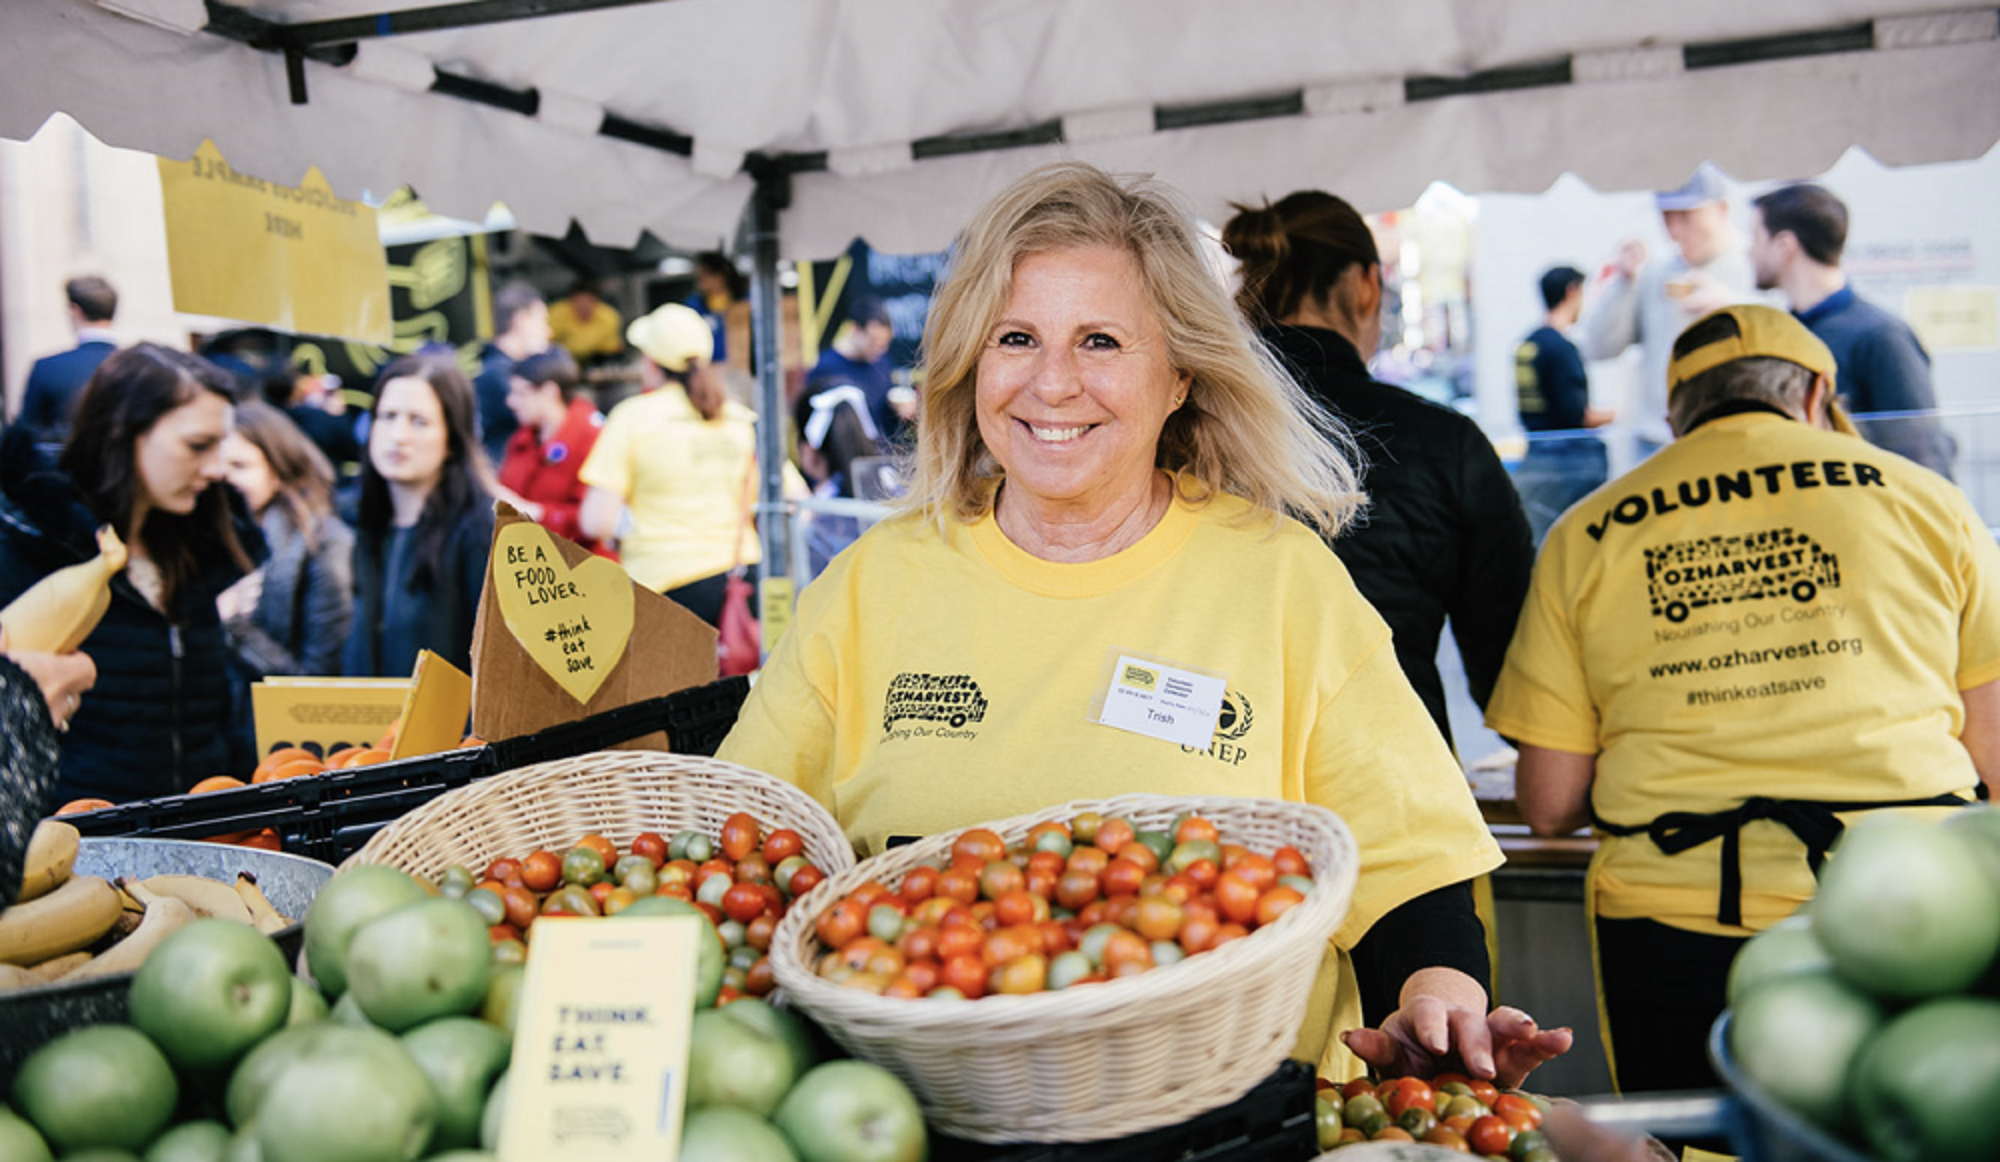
{"x": 892, "y": 118}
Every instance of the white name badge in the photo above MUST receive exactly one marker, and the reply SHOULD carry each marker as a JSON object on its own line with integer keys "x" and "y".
{"x": 1161, "y": 701}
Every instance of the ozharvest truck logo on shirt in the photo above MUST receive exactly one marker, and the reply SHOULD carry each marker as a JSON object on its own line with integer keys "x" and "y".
{"x": 952, "y": 699}
{"x": 1683, "y": 576}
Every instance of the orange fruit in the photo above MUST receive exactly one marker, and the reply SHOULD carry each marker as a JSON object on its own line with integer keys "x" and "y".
{"x": 232, "y": 838}
{"x": 78, "y": 806}
{"x": 283, "y": 754}
{"x": 290, "y": 770}
{"x": 216, "y": 783}
{"x": 363, "y": 758}
{"x": 267, "y": 839}
{"x": 471, "y": 740}
{"x": 338, "y": 759}
{"x": 388, "y": 739}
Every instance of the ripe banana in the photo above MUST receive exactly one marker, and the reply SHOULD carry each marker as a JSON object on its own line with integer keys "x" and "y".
{"x": 207, "y": 897}
{"x": 267, "y": 918}
{"x": 73, "y": 916}
{"x": 51, "y": 855}
{"x": 60, "y": 610}
{"x": 164, "y": 916}
{"x": 60, "y": 966}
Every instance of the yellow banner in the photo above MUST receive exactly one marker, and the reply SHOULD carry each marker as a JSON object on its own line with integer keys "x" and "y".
{"x": 296, "y": 258}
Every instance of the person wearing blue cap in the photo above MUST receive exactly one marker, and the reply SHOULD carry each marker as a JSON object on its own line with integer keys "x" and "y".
{"x": 1650, "y": 301}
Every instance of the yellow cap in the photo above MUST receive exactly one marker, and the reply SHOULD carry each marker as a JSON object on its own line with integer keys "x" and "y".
{"x": 1762, "y": 332}
{"x": 673, "y": 336}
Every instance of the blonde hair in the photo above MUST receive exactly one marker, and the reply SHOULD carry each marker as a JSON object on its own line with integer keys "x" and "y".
{"x": 1246, "y": 428}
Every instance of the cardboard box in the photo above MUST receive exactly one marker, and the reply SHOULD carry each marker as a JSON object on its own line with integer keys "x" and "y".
{"x": 559, "y": 591}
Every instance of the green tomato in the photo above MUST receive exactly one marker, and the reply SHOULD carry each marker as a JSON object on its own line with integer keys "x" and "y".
{"x": 1326, "y": 1120}
{"x": 455, "y": 882}
{"x": 885, "y": 923}
{"x": 1067, "y": 968}
{"x": 1418, "y": 1121}
{"x": 510, "y": 951}
{"x": 1092, "y": 944}
{"x": 1525, "y": 1143}
{"x": 582, "y": 866}
{"x": 1161, "y": 842}
{"x": 734, "y": 935}
{"x": 700, "y": 848}
{"x": 642, "y": 880}
{"x": 786, "y": 869}
{"x": 1054, "y": 841}
{"x": 627, "y": 864}
{"x": 488, "y": 904}
{"x": 677, "y": 847}
{"x": 1186, "y": 855}
{"x": 712, "y": 890}
{"x": 1167, "y": 952}
{"x": 1362, "y": 1107}
{"x": 1303, "y": 885}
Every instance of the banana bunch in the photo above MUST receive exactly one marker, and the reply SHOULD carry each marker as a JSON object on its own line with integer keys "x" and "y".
{"x": 60, "y": 610}
{"x": 69, "y": 928}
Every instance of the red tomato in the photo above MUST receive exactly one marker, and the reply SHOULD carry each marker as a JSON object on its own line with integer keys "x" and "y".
{"x": 998, "y": 878}
{"x": 842, "y": 923}
{"x": 740, "y": 835}
{"x": 743, "y": 903}
{"x": 781, "y": 844}
{"x": 1075, "y": 888}
{"x": 1015, "y": 907}
{"x": 1056, "y": 938}
{"x": 1005, "y": 944}
{"x": 1126, "y": 951}
{"x": 711, "y": 869}
{"x": 1490, "y": 1135}
{"x": 1235, "y": 897}
{"x": 1356, "y": 1088}
{"x": 1226, "y": 933}
{"x": 1449, "y": 1138}
{"x": 1088, "y": 859}
{"x": 757, "y": 933}
{"x": 1485, "y": 1091}
{"x": 761, "y": 978}
{"x": 858, "y": 952}
{"x": 923, "y": 972}
{"x": 1287, "y": 861}
{"x": 978, "y": 844}
{"x": 1277, "y": 902}
{"x": 805, "y": 880}
{"x": 521, "y": 906}
{"x": 1198, "y": 926}
{"x": 601, "y": 846}
{"x": 498, "y": 932}
{"x": 1114, "y": 836}
{"x": 1194, "y": 828}
{"x": 1158, "y": 918}
{"x": 966, "y": 974}
{"x": 919, "y": 944}
{"x": 1257, "y": 869}
{"x": 1021, "y": 975}
{"x": 1123, "y": 876}
{"x": 1142, "y": 855}
{"x": 541, "y": 871}
{"x": 1518, "y": 1112}
{"x": 919, "y": 885}
{"x": 904, "y": 986}
{"x": 1042, "y": 883}
{"x": 674, "y": 891}
{"x": 601, "y": 891}
{"x": 1405, "y": 1092}
{"x": 957, "y": 940}
{"x": 651, "y": 846}
{"x": 1203, "y": 872}
{"x": 503, "y": 869}
{"x": 959, "y": 883}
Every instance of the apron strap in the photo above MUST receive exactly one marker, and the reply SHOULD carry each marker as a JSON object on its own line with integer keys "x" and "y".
{"x": 1813, "y": 821}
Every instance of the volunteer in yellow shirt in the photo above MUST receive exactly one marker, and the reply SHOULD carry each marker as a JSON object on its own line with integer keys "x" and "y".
{"x": 681, "y": 458}
{"x": 1765, "y": 626}
{"x": 585, "y": 325}
{"x": 1101, "y": 458}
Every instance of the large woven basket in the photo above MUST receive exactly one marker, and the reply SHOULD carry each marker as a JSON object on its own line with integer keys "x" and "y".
{"x": 1104, "y": 1060}
{"x": 616, "y": 794}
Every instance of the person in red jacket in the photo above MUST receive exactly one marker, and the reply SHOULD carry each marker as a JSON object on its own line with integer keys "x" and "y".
{"x": 558, "y": 428}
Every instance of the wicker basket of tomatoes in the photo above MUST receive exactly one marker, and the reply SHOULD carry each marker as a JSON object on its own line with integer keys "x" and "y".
{"x": 1131, "y": 1014}
{"x": 615, "y": 794}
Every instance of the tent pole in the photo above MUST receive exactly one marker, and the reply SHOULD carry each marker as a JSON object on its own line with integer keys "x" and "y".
{"x": 768, "y": 198}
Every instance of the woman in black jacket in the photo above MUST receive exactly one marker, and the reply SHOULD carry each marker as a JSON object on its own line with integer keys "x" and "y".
{"x": 144, "y": 457}
{"x": 425, "y": 523}
{"x": 1444, "y": 534}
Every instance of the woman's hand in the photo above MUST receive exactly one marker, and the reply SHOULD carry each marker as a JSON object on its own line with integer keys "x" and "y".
{"x": 1442, "y": 1025}
{"x": 240, "y": 599}
{"x": 62, "y": 677}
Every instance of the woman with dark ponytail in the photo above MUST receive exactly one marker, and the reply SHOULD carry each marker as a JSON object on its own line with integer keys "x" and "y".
{"x": 1444, "y": 535}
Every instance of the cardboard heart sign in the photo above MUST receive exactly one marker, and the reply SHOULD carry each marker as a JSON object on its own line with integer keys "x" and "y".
{"x": 574, "y": 621}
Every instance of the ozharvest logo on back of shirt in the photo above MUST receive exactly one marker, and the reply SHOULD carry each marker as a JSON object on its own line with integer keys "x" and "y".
{"x": 1683, "y": 576}
{"x": 932, "y": 705}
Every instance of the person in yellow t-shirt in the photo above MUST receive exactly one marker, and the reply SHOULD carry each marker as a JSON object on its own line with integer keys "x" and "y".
{"x": 585, "y": 325}
{"x": 681, "y": 458}
{"x": 1764, "y": 627}
{"x": 1102, "y": 457}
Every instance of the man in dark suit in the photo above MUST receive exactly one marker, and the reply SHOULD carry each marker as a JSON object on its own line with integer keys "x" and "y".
{"x": 55, "y": 382}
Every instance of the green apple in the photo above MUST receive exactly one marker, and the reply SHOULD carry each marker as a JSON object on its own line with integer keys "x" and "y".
{"x": 360, "y": 1097}
{"x": 1927, "y": 1086}
{"x": 728, "y": 1134}
{"x": 852, "y": 1111}
{"x": 423, "y": 960}
{"x": 1796, "y": 1036}
{"x": 210, "y": 991}
{"x": 1905, "y": 908}
{"x": 733, "y": 1063}
{"x": 461, "y": 1056}
{"x": 1784, "y": 948}
{"x": 341, "y": 907}
{"x": 199, "y": 1141}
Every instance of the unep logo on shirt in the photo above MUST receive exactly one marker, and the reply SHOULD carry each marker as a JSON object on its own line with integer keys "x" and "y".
{"x": 1683, "y": 576}
{"x": 1232, "y": 725}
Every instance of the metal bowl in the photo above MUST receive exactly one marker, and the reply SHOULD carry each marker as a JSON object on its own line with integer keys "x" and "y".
{"x": 33, "y": 1017}
{"x": 1764, "y": 1130}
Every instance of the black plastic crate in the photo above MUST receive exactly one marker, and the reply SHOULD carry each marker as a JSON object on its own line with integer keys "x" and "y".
{"x": 329, "y": 816}
{"x": 1271, "y": 1123}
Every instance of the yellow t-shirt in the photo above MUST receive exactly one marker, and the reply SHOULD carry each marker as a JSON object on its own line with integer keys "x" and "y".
{"x": 933, "y": 681}
{"x": 1760, "y": 609}
{"x": 684, "y": 478}
{"x": 601, "y": 334}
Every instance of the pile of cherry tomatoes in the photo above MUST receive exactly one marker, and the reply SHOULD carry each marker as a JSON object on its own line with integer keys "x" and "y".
{"x": 1450, "y": 1110}
{"x": 742, "y": 879}
{"x": 1076, "y": 902}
